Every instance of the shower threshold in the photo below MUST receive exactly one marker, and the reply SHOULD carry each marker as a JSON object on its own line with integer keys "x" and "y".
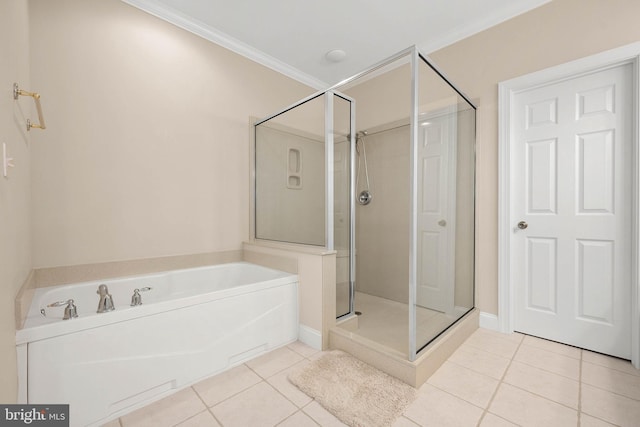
{"x": 391, "y": 356}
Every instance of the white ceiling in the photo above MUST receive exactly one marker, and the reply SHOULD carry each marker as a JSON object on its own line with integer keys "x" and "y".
{"x": 293, "y": 36}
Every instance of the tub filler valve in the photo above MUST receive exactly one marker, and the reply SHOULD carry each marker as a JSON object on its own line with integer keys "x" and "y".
{"x": 106, "y": 301}
{"x": 136, "y": 298}
{"x": 70, "y": 311}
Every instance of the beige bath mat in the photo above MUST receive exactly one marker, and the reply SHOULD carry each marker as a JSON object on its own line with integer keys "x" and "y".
{"x": 356, "y": 393}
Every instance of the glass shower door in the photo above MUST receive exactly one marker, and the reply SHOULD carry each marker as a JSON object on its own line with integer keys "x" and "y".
{"x": 444, "y": 160}
{"x": 343, "y": 134}
{"x": 304, "y": 179}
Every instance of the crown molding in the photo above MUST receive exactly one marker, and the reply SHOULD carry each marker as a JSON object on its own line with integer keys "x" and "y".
{"x": 218, "y": 37}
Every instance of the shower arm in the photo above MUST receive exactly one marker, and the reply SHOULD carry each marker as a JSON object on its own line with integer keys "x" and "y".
{"x": 36, "y": 98}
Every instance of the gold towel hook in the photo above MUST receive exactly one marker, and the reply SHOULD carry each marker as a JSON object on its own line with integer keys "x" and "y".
{"x": 36, "y": 98}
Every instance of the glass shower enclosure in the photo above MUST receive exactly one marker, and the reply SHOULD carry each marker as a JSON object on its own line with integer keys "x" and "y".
{"x": 405, "y": 254}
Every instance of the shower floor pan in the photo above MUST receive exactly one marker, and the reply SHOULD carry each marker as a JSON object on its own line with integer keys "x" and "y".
{"x": 380, "y": 338}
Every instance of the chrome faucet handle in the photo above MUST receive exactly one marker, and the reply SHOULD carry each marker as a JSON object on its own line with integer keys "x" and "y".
{"x": 136, "y": 298}
{"x": 70, "y": 311}
{"x": 60, "y": 303}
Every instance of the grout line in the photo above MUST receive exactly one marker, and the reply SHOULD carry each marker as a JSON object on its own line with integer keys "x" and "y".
{"x": 310, "y": 416}
{"x": 550, "y": 372}
{"x": 543, "y": 397}
{"x": 454, "y": 395}
{"x": 580, "y": 390}
{"x": 611, "y": 368}
{"x": 214, "y": 416}
{"x": 286, "y": 397}
{"x": 208, "y": 409}
{"x": 192, "y": 416}
{"x": 613, "y": 392}
{"x": 299, "y": 411}
{"x": 299, "y": 353}
{"x": 500, "y": 382}
{"x": 546, "y": 370}
{"x": 281, "y": 370}
{"x": 230, "y": 396}
{"x": 536, "y": 343}
{"x": 199, "y": 397}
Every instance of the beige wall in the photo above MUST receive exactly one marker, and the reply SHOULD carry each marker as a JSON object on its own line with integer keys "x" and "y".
{"x": 290, "y": 189}
{"x": 15, "y": 190}
{"x": 558, "y": 32}
{"x": 147, "y": 148}
{"x": 382, "y": 226}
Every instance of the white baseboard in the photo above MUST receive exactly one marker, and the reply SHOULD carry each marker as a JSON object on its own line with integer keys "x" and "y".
{"x": 489, "y": 321}
{"x": 310, "y": 336}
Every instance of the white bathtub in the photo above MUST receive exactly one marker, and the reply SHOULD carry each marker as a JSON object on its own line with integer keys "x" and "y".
{"x": 192, "y": 324}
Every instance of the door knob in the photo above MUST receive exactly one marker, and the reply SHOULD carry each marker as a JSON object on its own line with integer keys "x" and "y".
{"x": 522, "y": 225}
{"x": 442, "y": 223}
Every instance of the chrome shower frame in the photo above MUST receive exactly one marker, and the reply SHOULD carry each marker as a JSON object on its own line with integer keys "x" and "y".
{"x": 413, "y": 57}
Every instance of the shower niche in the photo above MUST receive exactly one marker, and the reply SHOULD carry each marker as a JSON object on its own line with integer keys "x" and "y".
{"x": 381, "y": 169}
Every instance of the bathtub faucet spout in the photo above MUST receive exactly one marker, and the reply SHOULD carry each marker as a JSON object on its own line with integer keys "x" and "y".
{"x": 106, "y": 301}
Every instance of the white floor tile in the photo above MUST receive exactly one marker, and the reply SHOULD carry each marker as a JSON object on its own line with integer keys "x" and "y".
{"x": 549, "y": 361}
{"x": 322, "y": 416}
{"x": 609, "y": 362}
{"x": 494, "y": 342}
{"x": 565, "y": 350}
{"x": 203, "y": 419}
{"x": 281, "y": 383}
{"x": 434, "y": 407}
{"x": 480, "y": 361}
{"x": 166, "y": 412}
{"x": 216, "y": 389}
{"x": 552, "y": 386}
{"x": 260, "y": 405}
{"x": 523, "y": 380}
{"x": 404, "y": 422}
{"x": 491, "y": 420}
{"x": 299, "y": 419}
{"x": 274, "y": 362}
{"x": 589, "y": 421}
{"x": 611, "y": 407}
{"x": 612, "y": 380}
{"x": 526, "y": 409}
{"x": 302, "y": 349}
{"x": 464, "y": 383}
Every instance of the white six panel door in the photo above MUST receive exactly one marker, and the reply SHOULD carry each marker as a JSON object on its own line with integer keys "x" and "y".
{"x": 571, "y": 154}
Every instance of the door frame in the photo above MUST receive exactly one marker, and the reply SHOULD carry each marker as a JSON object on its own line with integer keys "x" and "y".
{"x": 629, "y": 54}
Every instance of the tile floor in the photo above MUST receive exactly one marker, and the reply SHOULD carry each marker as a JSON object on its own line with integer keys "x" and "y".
{"x": 491, "y": 380}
